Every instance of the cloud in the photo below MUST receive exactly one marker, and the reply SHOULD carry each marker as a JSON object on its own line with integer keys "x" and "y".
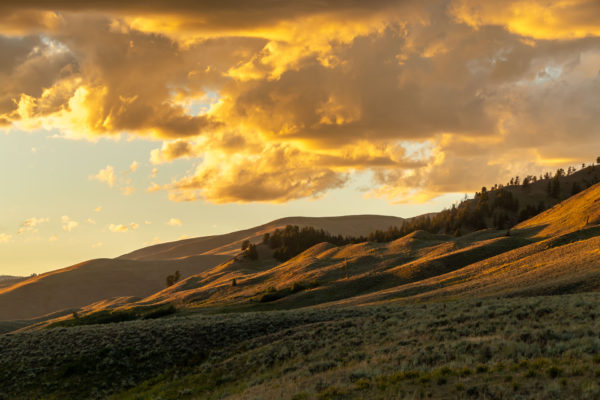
{"x": 118, "y": 228}
{"x": 553, "y": 19}
{"x": 174, "y": 222}
{"x": 98, "y": 209}
{"x": 106, "y": 175}
{"x": 128, "y": 190}
{"x": 133, "y": 167}
{"x": 68, "y": 224}
{"x": 91, "y": 221}
{"x": 31, "y": 225}
{"x": 278, "y": 174}
{"x": 53, "y": 238}
{"x": 123, "y": 228}
{"x": 97, "y": 245}
{"x": 5, "y": 238}
{"x": 171, "y": 151}
{"x": 276, "y": 101}
{"x": 154, "y": 187}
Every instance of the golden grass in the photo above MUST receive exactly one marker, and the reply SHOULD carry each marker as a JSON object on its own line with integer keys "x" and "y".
{"x": 575, "y": 213}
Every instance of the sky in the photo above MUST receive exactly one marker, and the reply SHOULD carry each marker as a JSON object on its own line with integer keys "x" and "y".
{"x": 128, "y": 123}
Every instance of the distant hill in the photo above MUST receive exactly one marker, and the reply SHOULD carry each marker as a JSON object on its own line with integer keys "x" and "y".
{"x": 7, "y": 280}
{"x": 144, "y": 272}
{"x": 552, "y": 253}
{"x": 229, "y": 244}
{"x": 455, "y": 252}
{"x": 91, "y": 281}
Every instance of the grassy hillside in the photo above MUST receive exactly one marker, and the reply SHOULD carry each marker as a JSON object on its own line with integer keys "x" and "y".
{"x": 229, "y": 244}
{"x": 143, "y": 272}
{"x": 7, "y": 280}
{"x": 577, "y": 212}
{"x": 533, "y": 347}
{"x": 427, "y": 315}
{"x": 92, "y": 281}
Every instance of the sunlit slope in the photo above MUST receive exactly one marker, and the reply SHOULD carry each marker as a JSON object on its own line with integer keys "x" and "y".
{"x": 326, "y": 272}
{"x": 575, "y": 213}
{"x": 352, "y": 225}
{"x": 563, "y": 264}
{"x": 92, "y": 281}
{"x": 418, "y": 266}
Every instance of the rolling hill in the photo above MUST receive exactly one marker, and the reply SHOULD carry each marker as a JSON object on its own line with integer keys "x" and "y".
{"x": 576, "y": 212}
{"x": 143, "y": 272}
{"x": 229, "y": 244}
{"x": 421, "y": 265}
{"x": 491, "y": 313}
{"x": 548, "y": 254}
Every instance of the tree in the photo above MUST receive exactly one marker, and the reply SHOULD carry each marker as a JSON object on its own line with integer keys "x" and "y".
{"x": 172, "y": 279}
{"x": 234, "y": 282}
{"x": 245, "y": 244}
{"x": 555, "y": 186}
{"x": 251, "y": 252}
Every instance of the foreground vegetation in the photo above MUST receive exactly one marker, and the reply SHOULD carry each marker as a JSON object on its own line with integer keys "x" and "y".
{"x": 534, "y": 347}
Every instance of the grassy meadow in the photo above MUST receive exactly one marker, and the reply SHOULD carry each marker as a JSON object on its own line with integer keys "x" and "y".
{"x": 496, "y": 348}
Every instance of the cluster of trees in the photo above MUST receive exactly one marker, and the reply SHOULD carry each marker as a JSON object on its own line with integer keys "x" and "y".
{"x": 498, "y": 208}
{"x": 293, "y": 240}
{"x": 249, "y": 250}
{"x": 552, "y": 179}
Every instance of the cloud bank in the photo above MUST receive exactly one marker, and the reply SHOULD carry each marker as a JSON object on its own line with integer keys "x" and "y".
{"x": 276, "y": 101}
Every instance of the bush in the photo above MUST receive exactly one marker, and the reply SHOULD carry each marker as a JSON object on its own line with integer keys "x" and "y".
{"x": 160, "y": 312}
{"x": 172, "y": 279}
{"x": 100, "y": 317}
{"x": 251, "y": 252}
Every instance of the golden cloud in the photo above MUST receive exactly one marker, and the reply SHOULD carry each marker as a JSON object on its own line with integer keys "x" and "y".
{"x": 277, "y": 101}
{"x": 68, "y": 224}
{"x": 5, "y": 238}
{"x": 31, "y": 225}
{"x": 554, "y": 19}
{"x": 106, "y": 175}
{"x": 121, "y": 228}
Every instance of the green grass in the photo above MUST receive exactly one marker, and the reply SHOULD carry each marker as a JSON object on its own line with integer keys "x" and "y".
{"x": 114, "y": 316}
{"x": 272, "y": 294}
{"x": 539, "y": 347}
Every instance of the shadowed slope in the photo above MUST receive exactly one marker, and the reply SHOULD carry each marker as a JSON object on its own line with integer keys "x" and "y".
{"x": 327, "y": 273}
{"x": 92, "y": 281}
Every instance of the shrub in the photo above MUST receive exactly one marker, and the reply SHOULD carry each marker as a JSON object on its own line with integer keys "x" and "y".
{"x": 250, "y": 252}
{"x": 160, "y": 312}
{"x": 172, "y": 279}
{"x": 554, "y": 372}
